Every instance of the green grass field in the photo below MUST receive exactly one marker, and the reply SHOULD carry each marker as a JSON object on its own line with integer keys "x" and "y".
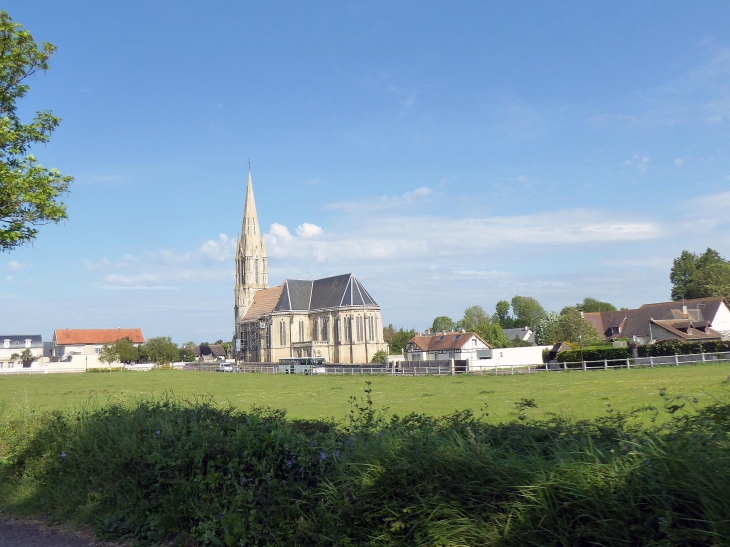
{"x": 577, "y": 394}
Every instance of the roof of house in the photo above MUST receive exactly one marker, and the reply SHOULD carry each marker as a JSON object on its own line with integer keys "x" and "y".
{"x": 331, "y": 292}
{"x": 687, "y": 329}
{"x": 65, "y": 337}
{"x": 18, "y": 340}
{"x": 444, "y": 341}
{"x": 216, "y": 350}
{"x": 264, "y": 301}
{"x": 636, "y": 322}
{"x": 522, "y": 333}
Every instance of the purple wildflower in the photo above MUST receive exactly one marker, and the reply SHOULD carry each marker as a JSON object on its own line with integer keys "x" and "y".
{"x": 157, "y": 432}
{"x": 337, "y": 453}
{"x": 313, "y": 443}
{"x": 322, "y": 456}
{"x": 288, "y": 463}
{"x": 63, "y": 455}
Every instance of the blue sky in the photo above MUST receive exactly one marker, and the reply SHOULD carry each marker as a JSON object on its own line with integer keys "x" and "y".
{"x": 448, "y": 154}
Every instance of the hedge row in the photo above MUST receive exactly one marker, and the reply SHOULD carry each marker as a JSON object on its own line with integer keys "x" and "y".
{"x": 664, "y": 347}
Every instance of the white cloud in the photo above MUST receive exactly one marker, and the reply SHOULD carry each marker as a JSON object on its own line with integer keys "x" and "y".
{"x": 678, "y": 162}
{"x": 307, "y": 230}
{"x": 219, "y": 249}
{"x": 641, "y": 163}
{"x": 279, "y": 230}
{"x": 418, "y": 197}
{"x": 15, "y": 266}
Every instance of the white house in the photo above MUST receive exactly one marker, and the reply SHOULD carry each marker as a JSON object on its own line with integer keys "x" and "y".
{"x": 81, "y": 347}
{"x": 15, "y": 344}
{"x": 447, "y": 345}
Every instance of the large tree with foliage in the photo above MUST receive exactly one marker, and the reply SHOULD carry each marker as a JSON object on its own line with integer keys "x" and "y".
{"x": 397, "y": 338}
{"x": 568, "y": 326}
{"x": 501, "y": 314}
{"x": 527, "y": 311}
{"x": 442, "y": 323}
{"x": 592, "y": 305}
{"x": 162, "y": 350}
{"x": 476, "y": 320}
{"x": 29, "y": 193}
{"x": 700, "y": 276}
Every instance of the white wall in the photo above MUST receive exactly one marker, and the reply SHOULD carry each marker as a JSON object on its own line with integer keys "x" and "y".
{"x": 507, "y": 357}
{"x": 721, "y": 321}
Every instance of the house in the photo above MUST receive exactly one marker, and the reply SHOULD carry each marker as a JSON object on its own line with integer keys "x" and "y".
{"x": 88, "y": 342}
{"x": 12, "y": 345}
{"x": 447, "y": 345}
{"x": 696, "y": 319}
{"x": 209, "y": 352}
{"x": 334, "y": 318}
{"x": 523, "y": 333}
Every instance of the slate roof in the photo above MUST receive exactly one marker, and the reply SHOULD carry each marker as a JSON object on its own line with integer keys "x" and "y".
{"x": 523, "y": 333}
{"x": 636, "y": 322}
{"x": 216, "y": 350}
{"x": 442, "y": 342}
{"x": 65, "y": 337}
{"x": 686, "y": 329}
{"x": 331, "y": 292}
{"x": 17, "y": 341}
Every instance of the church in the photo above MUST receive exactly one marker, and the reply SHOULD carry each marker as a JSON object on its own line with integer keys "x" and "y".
{"x": 334, "y": 318}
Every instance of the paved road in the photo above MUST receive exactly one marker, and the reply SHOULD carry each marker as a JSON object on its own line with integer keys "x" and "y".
{"x": 18, "y": 534}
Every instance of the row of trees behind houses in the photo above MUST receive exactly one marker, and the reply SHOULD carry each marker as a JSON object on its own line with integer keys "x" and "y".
{"x": 692, "y": 276}
{"x": 160, "y": 350}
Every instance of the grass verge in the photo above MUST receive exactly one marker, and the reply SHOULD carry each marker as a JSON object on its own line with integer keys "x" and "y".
{"x": 192, "y": 472}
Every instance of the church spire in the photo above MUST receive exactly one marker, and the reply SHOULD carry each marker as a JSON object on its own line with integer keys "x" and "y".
{"x": 251, "y": 267}
{"x": 250, "y": 225}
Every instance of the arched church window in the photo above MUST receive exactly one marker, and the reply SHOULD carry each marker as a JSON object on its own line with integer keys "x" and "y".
{"x": 324, "y": 330}
{"x": 337, "y": 331}
{"x": 301, "y": 331}
{"x": 257, "y": 270}
{"x": 282, "y": 333}
{"x": 315, "y": 330}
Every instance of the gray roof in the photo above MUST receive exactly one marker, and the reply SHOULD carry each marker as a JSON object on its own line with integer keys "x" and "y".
{"x": 523, "y": 333}
{"x": 17, "y": 341}
{"x": 331, "y": 292}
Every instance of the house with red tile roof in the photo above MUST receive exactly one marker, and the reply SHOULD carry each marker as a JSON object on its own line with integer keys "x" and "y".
{"x": 69, "y": 342}
{"x": 447, "y": 345}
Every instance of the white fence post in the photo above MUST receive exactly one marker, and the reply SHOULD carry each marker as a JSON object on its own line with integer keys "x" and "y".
{"x": 651, "y": 361}
{"x": 628, "y": 364}
{"x": 676, "y": 360}
{"x": 703, "y": 356}
{"x": 605, "y": 364}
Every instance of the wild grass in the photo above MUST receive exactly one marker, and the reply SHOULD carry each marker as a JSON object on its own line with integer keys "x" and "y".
{"x": 193, "y": 472}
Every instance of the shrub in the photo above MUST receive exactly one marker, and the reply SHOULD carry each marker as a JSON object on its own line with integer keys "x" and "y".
{"x": 678, "y": 347}
{"x": 595, "y": 353}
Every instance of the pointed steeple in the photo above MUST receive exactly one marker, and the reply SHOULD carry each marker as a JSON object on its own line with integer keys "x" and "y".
{"x": 251, "y": 267}
{"x": 250, "y": 225}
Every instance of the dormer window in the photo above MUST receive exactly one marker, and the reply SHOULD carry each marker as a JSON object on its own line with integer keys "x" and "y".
{"x": 27, "y": 342}
{"x": 457, "y": 337}
{"x": 441, "y": 338}
{"x": 6, "y": 343}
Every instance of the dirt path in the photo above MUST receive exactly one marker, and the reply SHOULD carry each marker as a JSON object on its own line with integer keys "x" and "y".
{"x": 15, "y": 533}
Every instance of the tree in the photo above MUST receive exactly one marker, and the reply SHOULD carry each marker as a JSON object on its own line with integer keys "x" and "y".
{"x": 126, "y": 351}
{"x": 473, "y": 317}
{"x": 379, "y": 357}
{"x": 576, "y": 329}
{"x": 29, "y": 193}
{"x": 700, "y": 276}
{"x": 501, "y": 314}
{"x": 397, "y": 339}
{"x": 186, "y": 354}
{"x": 592, "y": 305}
{"x": 26, "y": 356}
{"x": 108, "y": 354}
{"x": 548, "y": 331}
{"x": 162, "y": 350}
{"x": 226, "y": 347}
{"x": 527, "y": 311}
{"x": 442, "y": 324}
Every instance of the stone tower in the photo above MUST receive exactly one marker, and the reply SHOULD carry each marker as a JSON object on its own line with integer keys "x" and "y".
{"x": 251, "y": 272}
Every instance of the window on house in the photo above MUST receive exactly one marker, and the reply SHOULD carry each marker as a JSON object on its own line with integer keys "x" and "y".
{"x": 457, "y": 337}
{"x": 441, "y": 338}
{"x": 27, "y": 342}
{"x": 6, "y": 343}
{"x": 97, "y": 350}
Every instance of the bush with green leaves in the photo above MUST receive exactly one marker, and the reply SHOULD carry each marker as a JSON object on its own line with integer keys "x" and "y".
{"x": 189, "y": 472}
